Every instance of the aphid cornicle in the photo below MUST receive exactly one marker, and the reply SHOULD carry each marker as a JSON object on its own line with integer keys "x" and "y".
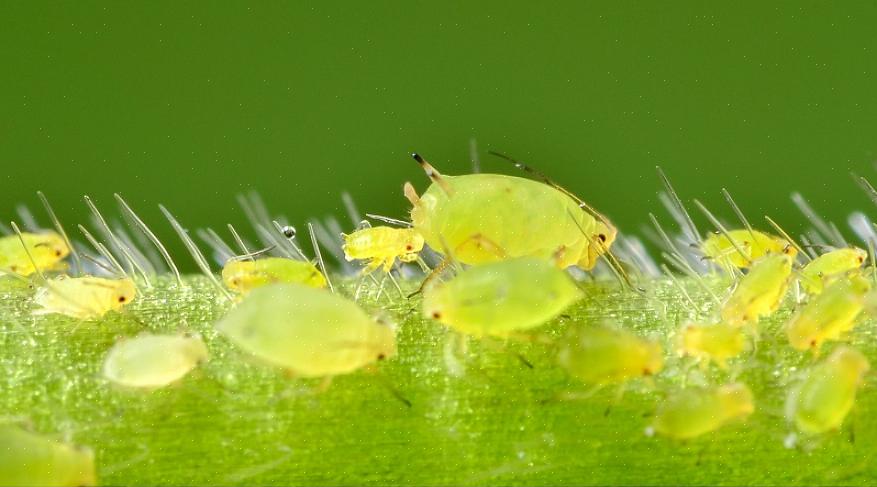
{"x": 828, "y": 315}
{"x": 245, "y": 275}
{"x": 308, "y": 332}
{"x": 721, "y": 248}
{"x": 821, "y": 401}
{"x": 499, "y": 298}
{"x": 48, "y": 249}
{"x": 488, "y": 217}
{"x": 828, "y": 265}
{"x": 31, "y": 459}
{"x": 717, "y": 342}
{"x": 692, "y": 412}
{"x": 381, "y": 246}
{"x": 760, "y": 292}
{"x": 84, "y": 297}
{"x": 151, "y": 361}
{"x": 602, "y": 355}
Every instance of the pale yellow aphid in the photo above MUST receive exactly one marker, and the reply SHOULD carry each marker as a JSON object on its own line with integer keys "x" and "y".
{"x": 721, "y": 249}
{"x": 48, "y": 250}
{"x": 829, "y": 315}
{"x": 245, "y": 275}
{"x": 760, "y": 292}
{"x": 602, "y": 355}
{"x": 717, "y": 342}
{"x": 151, "y": 361}
{"x": 31, "y": 459}
{"x": 382, "y": 245}
{"x": 307, "y": 332}
{"x": 831, "y": 264}
{"x": 500, "y": 298}
{"x": 821, "y": 401}
{"x": 692, "y": 412}
{"x": 84, "y": 297}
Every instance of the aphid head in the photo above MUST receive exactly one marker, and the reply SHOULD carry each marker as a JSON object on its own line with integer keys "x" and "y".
{"x": 50, "y": 245}
{"x": 411, "y": 245}
{"x": 600, "y": 240}
{"x": 385, "y": 339}
{"x": 234, "y": 273}
{"x": 125, "y": 292}
{"x": 737, "y": 399}
{"x": 860, "y": 255}
{"x": 787, "y": 248}
{"x": 653, "y": 358}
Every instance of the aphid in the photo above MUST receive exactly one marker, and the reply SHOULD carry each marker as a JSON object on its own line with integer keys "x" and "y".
{"x": 695, "y": 411}
{"x": 488, "y": 217}
{"x": 245, "y": 275}
{"x": 828, "y": 315}
{"x": 602, "y": 355}
{"x": 48, "y": 249}
{"x": 84, "y": 297}
{"x": 382, "y": 245}
{"x": 716, "y": 342}
{"x": 152, "y": 361}
{"x": 830, "y": 264}
{"x": 28, "y": 458}
{"x": 499, "y": 298}
{"x": 720, "y": 247}
{"x": 760, "y": 292}
{"x": 821, "y": 401}
{"x": 308, "y": 332}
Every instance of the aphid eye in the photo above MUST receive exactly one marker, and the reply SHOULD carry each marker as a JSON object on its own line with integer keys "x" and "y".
{"x": 409, "y": 248}
{"x": 122, "y": 299}
{"x": 436, "y": 315}
{"x": 812, "y": 343}
{"x": 288, "y": 231}
{"x": 861, "y": 259}
{"x": 602, "y": 237}
{"x": 647, "y": 371}
{"x": 58, "y": 253}
{"x": 381, "y": 356}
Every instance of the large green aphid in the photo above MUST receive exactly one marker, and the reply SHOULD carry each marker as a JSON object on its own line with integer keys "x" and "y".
{"x": 488, "y": 217}
{"x": 245, "y": 275}
{"x": 692, "y": 412}
{"x": 150, "y": 361}
{"x": 828, "y": 265}
{"x": 602, "y": 355}
{"x": 828, "y": 316}
{"x": 760, "y": 292}
{"x": 821, "y": 401}
{"x": 501, "y": 298}
{"x": 30, "y": 459}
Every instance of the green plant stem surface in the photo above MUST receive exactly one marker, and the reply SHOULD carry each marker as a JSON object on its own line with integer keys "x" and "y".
{"x": 478, "y": 415}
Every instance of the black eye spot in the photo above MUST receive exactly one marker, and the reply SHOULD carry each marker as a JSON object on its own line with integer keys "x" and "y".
{"x": 436, "y": 315}
{"x": 813, "y": 343}
{"x": 409, "y": 248}
{"x": 381, "y": 356}
{"x": 861, "y": 259}
{"x": 122, "y": 299}
{"x": 58, "y": 253}
{"x": 602, "y": 237}
{"x": 647, "y": 371}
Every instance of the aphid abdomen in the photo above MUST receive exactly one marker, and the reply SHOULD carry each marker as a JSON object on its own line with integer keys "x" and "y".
{"x": 828, "y": 265}
{"x": 760, "y": 292}
{"x": 152, "y": 361}
{"x": 694, "y": 412}
{"x": 29, "y": 459}
{"x": 600, "y": 355}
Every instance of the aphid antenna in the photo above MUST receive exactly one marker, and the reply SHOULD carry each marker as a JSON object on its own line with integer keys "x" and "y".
{"x": 433, "y": 174}
{"x": 238, "y": 240}
{"x": 196, "y": 252}
{"x": 867, "y": 187}
{"x": 126, "y": 252}
{"x": 350, "y": 205}
{"x": 386, "y": 384}
{"x": 681, "y": 288}
{"x": 119, "y": 271}
{"x": 319, "y": 256}
{"x": 221, "y": 251}
{"x": 680, "y": 212}
{"x": 251, "y": 255}
{"x": 824, "y": 229}
{"x": 60, "y": 228}
{"x": 139, "y": 223}
{"x": 27, "y": 218}
{"x": 448, "y": 260}
{"x": 685, "y": 268}
{"x": 739, "y": 213}
{"x": 776, "y": 226}
{"x": 473, "y": 155}
{"x": 614, "y": 265}
{"x": 391, "y": 221}
{"x": 288, "y": 233}
{"x": 721, "y": 228}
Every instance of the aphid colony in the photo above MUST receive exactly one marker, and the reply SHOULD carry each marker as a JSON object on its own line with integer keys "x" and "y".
{"x": 501, "y": 274}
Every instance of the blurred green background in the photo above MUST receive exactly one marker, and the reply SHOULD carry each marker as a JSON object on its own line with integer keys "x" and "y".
{"x": 189, "y": 103}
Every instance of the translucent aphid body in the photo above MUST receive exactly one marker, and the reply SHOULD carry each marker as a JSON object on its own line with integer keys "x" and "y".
{"x": 760, "y": 292}
{"x": 31, "y": 459}
{"x": 828, "y": 315}
{"x": 692, "y": 412}
{"x": 151, "y": 361}
{"x": 48, "y": 249}
{"x": 602, "y": 355}
{"x": 722, "y": 250}
{"x": 382, "y": 245}
{"x": 828, "y": 265}
{"x": 245, "y": 275}
{"x": 822, "y": 400}
{"x": 488, "y": 217}
{"x": 84, "y": 297}
{"x": 716, "y": 342}
{"x": 308, "y": 332}
{"x": 501, "y": 297}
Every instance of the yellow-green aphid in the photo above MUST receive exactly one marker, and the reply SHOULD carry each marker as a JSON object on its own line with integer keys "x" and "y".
{"x": 721, "y": 249}
{"x": 760, "y": 292}
{"x": 821, "y": 401}
{"x": 695, "y": 411}
{"x": 828, "y": 315}
{"x": 501, "y": 297}
{"x": 84, "y": 297}
{"x": 602, "y": 355}
{"x": 716, "y": 342}
{"x": 488, "y": 217}
{"x": 245, "y": 275}
{"x": 48, "y": 249}
{"x": 308, "y": 332}
{"x": 382, "y": 245}
{"x": 828, "y": 265}
{"x": 151, "y": 361}
{"x": 28, "y": 458}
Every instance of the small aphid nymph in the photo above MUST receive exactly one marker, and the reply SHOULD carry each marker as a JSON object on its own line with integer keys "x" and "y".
{"x": 84, "y": 297}
{"x": 48, "y": 250}
{"x": 760, "y": 292}
{"x": 150, "y": 361}
{"x": 754, "y": 244}
{"x": 245, "y": 275}
{"x": 31, "y": 459}
{"x": 828, "y": 316}
{"x": 603, "y": 355}
{"x": 829, "y": 265}
{"x": 382, "y": 245}
{"x": 711, "y": 343}
{"x": 695, "y": 411}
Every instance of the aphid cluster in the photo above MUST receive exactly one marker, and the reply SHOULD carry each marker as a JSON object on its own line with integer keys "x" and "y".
{"x": 495, "y": 252}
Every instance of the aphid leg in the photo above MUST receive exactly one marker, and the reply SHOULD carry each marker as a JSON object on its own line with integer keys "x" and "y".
{"x": 386, "y": 219}
{"x": 434, "y": 175}
{"x": 319, "y": 256}
{"x": 619, "y": 395}
{"x": 396, "y": 284}
{"x": 498, "y": 347}
{"x": 57, "y": 223}
{"x": 410, "y": 193}
{"x": 437, "y": 271}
